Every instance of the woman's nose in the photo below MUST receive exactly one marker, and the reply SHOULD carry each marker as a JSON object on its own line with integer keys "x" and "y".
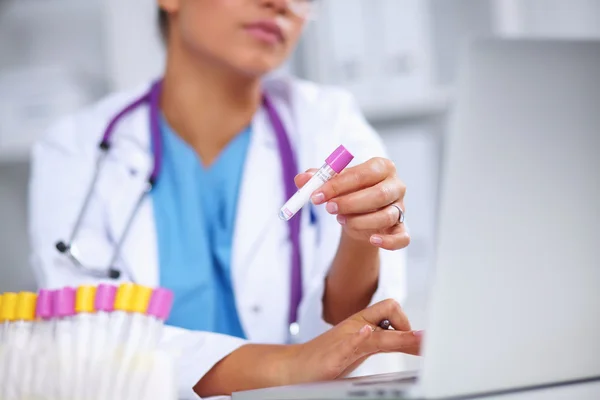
{"x": 278, "y": 5}
{"x": 300, "y": 8}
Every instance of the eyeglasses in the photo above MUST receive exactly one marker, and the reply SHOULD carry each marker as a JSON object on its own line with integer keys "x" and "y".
{"x": 305, "y": 9}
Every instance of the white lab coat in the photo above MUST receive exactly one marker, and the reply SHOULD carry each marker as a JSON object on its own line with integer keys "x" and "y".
{"x": 317, "y": 119}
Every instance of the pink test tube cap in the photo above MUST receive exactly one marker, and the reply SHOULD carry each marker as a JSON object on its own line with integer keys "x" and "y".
{"x": 105, "y": 298}
{"x": 339, "y": 159}
{"x": 44, "y": 307}
{"x": 160, "y": 304}
{"x": 64, "y": 302}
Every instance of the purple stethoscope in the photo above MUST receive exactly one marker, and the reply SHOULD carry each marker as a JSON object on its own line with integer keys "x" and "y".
{"x": 288, "y": 163}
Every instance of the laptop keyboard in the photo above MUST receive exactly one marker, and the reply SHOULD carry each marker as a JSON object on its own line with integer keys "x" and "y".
{"x": 407, "y": 380}
{"x": 389, "y": 386}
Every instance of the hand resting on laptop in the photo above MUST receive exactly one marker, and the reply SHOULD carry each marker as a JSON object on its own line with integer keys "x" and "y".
{"x": 332, "y": 355}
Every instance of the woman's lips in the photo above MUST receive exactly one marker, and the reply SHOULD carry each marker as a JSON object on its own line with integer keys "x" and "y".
{"x": 266, "y": 31}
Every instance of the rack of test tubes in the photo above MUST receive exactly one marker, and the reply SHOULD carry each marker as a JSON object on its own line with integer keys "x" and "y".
{"x": 86, "y": 343}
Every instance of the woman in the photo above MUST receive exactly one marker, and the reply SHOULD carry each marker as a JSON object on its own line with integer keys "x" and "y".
{"x": 205, "y": 224}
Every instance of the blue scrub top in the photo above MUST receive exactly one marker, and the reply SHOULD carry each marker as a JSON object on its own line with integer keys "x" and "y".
{"x": 195, "y": 212}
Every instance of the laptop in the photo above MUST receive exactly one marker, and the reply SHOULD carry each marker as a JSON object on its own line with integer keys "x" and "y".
{"x": 515, "y": 302}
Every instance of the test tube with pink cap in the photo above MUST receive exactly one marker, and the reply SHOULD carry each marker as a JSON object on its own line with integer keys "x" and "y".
{"x": 334, "y": 164}
{"x": 42, "y": 345}
{"x": 64, "y": 312}
{"x": 158, "y": 312}
{"x": 104, "y": 304}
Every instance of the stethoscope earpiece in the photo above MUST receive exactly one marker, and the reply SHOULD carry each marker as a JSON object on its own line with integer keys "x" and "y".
{"x": 114, "y": 274}
{"x": 62, "y": 247}
{"x": 104, "y": 145}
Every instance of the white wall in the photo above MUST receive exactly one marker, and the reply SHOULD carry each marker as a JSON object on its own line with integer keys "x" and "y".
{"x": 51, "y": 63}
{"x": 549, "y": 18}
{"x": 15, "y": 273}
{"x": 52, "y": 32}
{"x": 135, "y": 52}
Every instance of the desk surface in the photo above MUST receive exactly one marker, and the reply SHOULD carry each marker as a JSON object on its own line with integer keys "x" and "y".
{"x": 582, "y": 391}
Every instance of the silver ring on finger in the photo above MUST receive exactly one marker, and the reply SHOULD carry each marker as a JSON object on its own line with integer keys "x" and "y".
{"x": 400, "y": 214}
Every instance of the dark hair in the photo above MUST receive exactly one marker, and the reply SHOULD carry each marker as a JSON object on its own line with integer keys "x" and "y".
{"x": 163, "y": 22}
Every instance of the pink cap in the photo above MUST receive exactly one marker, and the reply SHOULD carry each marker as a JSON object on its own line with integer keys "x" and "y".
{"x": 64, "y": 302}
{"x": 105, "y": 298}
{"x": 160, "y": 304}
{"x": 43, "y": 308}
{"x": 339, "y": 159}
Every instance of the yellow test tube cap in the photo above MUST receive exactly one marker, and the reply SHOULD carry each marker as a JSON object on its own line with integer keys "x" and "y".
{"x": 8, "y": 308}
{"x": 124, "y": 297}
{"x": 141, "y": 299}
{"x": 84, "y": 300}
{"x": 25, "y": 309}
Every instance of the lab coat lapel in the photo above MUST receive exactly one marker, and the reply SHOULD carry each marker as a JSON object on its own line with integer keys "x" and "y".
{"x": 259, "y": 200}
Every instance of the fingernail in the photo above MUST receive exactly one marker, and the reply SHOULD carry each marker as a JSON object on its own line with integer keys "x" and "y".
{"x": 318, "y": 198}
{"x": 341, "y": 219}
{"x": 376, "y": 240}
{"x": 418, "y": 333}
{"x": 332, "y": 208}
{"x": 365, "y": 329}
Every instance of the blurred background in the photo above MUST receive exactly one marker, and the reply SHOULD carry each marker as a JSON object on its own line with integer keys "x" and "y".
{"x": 399, "y": 57}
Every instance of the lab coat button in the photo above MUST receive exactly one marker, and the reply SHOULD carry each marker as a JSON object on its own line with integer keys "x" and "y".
{"x": 256, "y": 309}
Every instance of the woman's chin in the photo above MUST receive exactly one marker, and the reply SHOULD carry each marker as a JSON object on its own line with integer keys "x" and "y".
{"x": 259, "y": 65}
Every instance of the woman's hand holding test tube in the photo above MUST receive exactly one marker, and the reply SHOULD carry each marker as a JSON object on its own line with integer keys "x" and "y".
{"x": 365, "y": 199}
{"x": 368, "y": 202}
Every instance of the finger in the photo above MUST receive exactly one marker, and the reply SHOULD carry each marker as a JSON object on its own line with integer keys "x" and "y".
{"x": 355, "y": 178}
{"x": 407, "y": 348}
{"x": 395, "y": 239}
{"x": 395, "y": 341}
{"x": 387, "y": 309}
{"x": 387, "y": 217}
{"x": 370, "y": 199}
{"x": 412, "y": 350}
{"x": 301, "y": 179}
